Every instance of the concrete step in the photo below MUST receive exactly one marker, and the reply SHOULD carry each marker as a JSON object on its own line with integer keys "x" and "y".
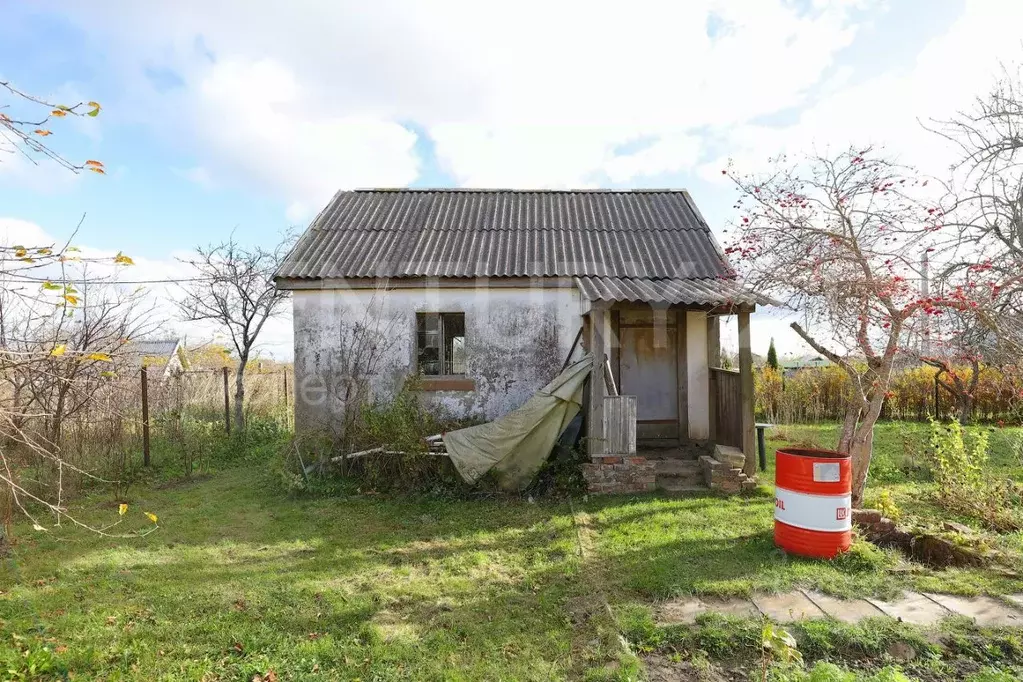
{"x": 677, "y": 467}
{"x": 681, "y": 486}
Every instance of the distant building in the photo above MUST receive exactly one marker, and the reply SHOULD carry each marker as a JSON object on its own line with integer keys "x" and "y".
{"x": 159, "y": 354}
{"x": 792, "y": 365}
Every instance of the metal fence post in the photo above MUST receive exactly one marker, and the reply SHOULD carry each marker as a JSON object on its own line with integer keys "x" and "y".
{"x": 145, "y": 416}
{"x": 227, "y": 405}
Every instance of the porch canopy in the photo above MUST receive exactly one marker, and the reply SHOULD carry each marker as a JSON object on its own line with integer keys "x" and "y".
{"x": 670, "y": 360}
{"x": 719, "y": 291}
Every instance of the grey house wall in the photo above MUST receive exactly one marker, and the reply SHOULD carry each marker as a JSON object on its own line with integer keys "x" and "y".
{"x": 516, "y": 339}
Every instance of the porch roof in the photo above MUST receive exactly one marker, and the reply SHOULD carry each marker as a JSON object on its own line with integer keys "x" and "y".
{"x": 718, "y": 291}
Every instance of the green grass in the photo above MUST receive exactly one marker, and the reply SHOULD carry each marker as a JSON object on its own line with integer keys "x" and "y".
{"x": 240, "y": 579}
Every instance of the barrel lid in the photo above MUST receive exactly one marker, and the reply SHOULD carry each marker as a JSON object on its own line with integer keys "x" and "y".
{"x": 810, "y": 452}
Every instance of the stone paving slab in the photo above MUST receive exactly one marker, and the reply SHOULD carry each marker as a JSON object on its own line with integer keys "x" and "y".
{"x": 985, "y": 611}
{"x": 845, "y": 610}
{"x": 685, "y": 610}
{"x": 788, "y": 607}
{"x": 913, "y": 608}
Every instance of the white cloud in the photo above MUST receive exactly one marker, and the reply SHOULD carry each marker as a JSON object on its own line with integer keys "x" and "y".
{"x": 200, "y": 175}
{"x": 306, "y": 98}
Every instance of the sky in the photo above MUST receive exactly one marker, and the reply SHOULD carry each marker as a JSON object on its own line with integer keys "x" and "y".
{"x": 244, "y": 117}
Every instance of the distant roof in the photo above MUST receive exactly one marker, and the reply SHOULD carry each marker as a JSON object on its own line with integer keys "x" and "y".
{"x": 650, "y": 234}
{"x": 156, "y": 348}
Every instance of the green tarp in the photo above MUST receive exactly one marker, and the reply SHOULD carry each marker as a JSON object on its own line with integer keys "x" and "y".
{"x": 516, "y": 445}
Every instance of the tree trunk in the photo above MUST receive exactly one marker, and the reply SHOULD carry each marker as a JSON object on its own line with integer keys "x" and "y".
{"x": 964, "y": 408}
{"x": 861, "y": 450}
{"x": 239, "y": 397}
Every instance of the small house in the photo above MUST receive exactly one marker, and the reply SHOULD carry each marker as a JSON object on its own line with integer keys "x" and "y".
{"x": 485, "y": 294}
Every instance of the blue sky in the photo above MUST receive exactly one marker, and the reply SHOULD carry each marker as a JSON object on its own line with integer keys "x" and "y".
{"x": 246, "y": 116}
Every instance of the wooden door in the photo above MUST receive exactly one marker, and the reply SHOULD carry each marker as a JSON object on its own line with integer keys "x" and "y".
{"x": 649, "y": 363}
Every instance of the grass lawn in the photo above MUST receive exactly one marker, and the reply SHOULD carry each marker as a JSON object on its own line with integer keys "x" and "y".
{"x": 240, "y": 580}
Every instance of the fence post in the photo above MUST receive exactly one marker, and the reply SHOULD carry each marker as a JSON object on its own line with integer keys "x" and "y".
{"x": 227, "y": 405}
{"x": 145, "y": 416}
{"x": 287, "y": 406}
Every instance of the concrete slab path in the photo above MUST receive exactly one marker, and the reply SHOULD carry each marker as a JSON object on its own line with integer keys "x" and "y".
{"x": 917, "y": 608}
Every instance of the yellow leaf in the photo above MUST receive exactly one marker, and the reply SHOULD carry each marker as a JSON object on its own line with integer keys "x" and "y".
{"x": 42, "y": 133}
{"x": 94, "y": 105}
{"x": 50, "y": 286}
{"x": 58, "y": 113}
{"x": 94, "y": 169}
{"x": 122, "y": 509}
{"x": 152, "y": 517}
{"x": 97, "y": 164}
{"x": 20, "y": 252}
{"x": 28, "y": 260}
{"x": 99, "y": 357}
{"x": 73, "y": 248}
{"x": 71, "y": 299}
{"x": 44, "y": 252}
{"x": 121, "y": 259}
{"x": 59, "y": 350}
{"x": 36, "y": 526}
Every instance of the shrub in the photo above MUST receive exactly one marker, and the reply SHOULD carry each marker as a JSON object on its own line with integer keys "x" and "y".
{"x": 964, "y": 485}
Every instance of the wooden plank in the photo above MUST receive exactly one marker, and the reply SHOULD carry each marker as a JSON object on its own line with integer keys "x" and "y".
{"x": 746, "y": 394}
{"x": 713, "y": 360}
{"x": 616, "y": 345}
{"x": 620, "y": 424}
{"x": 598, "y": 347}
{"x": 682, "y": 375}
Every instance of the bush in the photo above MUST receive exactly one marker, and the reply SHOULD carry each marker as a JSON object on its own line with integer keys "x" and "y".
{"x": 964, "y": 485}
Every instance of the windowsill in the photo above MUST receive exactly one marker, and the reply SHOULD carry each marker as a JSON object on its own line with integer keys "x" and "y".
{"x": 448, "y": 383}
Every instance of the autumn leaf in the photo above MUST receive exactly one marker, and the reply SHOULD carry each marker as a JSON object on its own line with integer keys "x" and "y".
{"x": 122, "y": 509}
{"x": 26, "y": 259}
{"x": 152, "y": 517}
{"x": 94, "y": 112}
{"x": 91, "y": 162}
{"x": 94, "y": 169}
{"x": 36, "y": 526}
{"x": 50, "y": 286}
{"x": 72, "y": 248}
{"x": 44, "y": 252}
{"x": 59, "y": 113}
{"x": 71, "y": 299}
{"x": 20, "y": 252}
{"x": 59, "y": 350}
{"x": 42, "y": 132}
{"x": 121, "y": 259}
{"x": 99, "y": 357}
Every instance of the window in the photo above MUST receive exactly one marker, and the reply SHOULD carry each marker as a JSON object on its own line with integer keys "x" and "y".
{"x": 440, "y": 343}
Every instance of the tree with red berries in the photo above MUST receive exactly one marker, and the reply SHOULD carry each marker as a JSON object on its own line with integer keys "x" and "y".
{"x": 839, "y": 239}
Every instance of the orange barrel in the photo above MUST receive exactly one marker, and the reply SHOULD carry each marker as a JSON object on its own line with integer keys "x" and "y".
{"x": 812, "y": 502}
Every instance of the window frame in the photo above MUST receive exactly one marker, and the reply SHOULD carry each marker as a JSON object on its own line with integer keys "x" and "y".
{"x": 442, "y": 360}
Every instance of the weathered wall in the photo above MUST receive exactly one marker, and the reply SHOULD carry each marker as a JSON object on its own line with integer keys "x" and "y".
{"x": 516, "y": 340}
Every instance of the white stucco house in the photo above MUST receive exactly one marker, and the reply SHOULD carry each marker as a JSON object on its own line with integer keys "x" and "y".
{"x": 485, "y": 293}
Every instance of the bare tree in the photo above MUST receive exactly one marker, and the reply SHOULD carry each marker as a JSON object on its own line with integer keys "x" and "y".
{"x": 987, "y": 260}
{"x": 234, "y": 287}
{"x": 837, "y": 237}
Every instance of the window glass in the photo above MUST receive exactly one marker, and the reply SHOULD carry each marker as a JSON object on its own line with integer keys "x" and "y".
{"x": 440, "y": 343}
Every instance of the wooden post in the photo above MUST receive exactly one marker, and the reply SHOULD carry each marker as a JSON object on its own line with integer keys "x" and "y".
{"x": 227, "y": 405}
{"x": 682, "y": 373}
{"x": 713, "y": 360}
{"x": 598, "y": 347}
{"x": 145, "y": 416}
{"x": 287, "y": 403}
{"x": 746, "y": 394}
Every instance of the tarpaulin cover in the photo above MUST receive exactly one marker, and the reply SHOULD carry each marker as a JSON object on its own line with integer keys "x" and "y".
{"x": 516, "y": 445}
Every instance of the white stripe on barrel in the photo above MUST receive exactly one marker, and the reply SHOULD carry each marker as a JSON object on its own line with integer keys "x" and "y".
{"x": 830, "y": 513}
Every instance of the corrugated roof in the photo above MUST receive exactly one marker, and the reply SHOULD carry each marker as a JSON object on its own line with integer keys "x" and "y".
{"x": 674, "y": 291}
{"x": 507, "y": 233}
